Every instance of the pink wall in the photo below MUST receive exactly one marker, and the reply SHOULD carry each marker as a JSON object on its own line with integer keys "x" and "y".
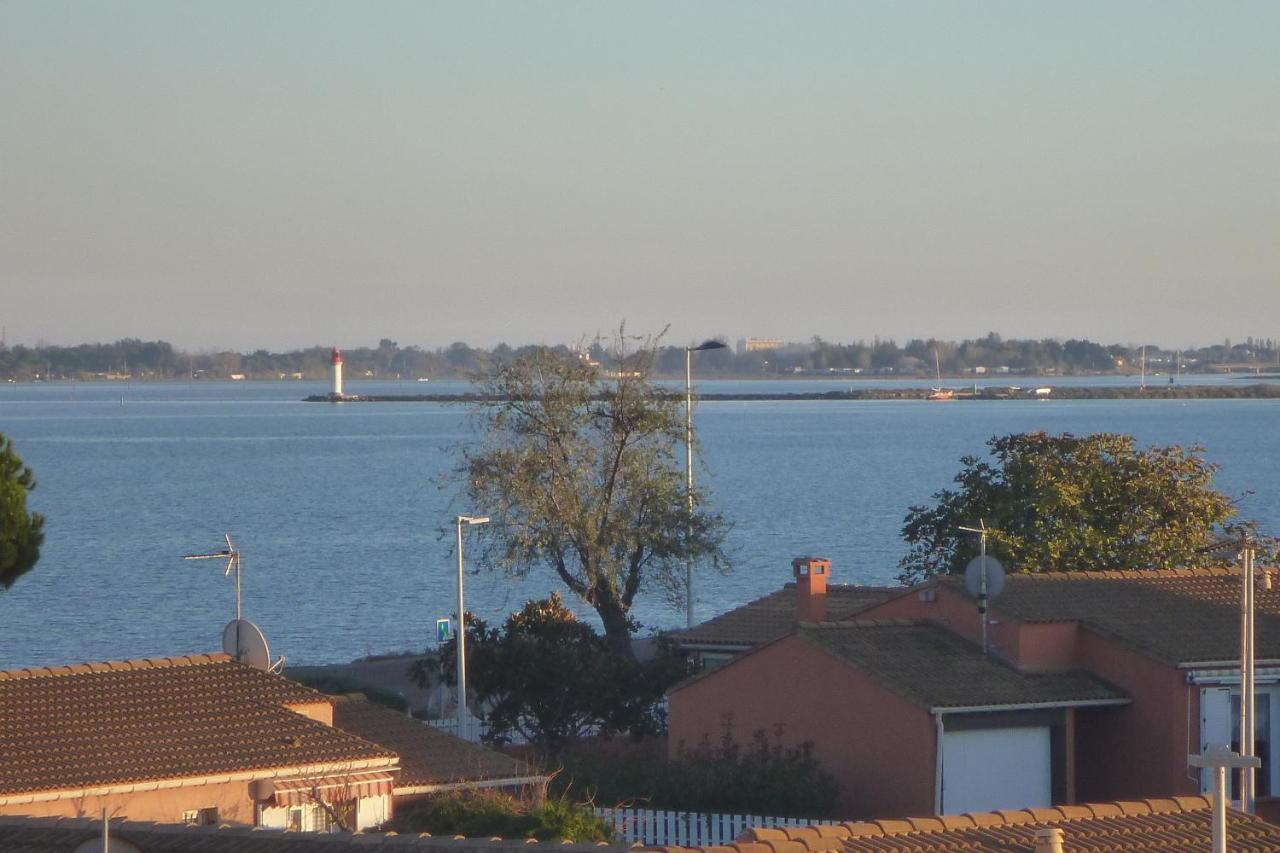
{"x": 878, "y": 746}
{"x": 231, "y": 799}
{"x": 1138, "y": 750}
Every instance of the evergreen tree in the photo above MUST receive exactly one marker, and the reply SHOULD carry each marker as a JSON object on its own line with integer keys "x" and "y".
{"x": 20, "y": 532}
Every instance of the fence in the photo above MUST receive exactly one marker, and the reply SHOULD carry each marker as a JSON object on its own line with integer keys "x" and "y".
{"x": 472, "y": 730}
{"x": 686, "y": 829}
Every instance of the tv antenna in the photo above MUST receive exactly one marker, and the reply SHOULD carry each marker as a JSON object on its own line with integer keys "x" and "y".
{"x": 983, "y": 577}
{"x": 241, "y": 639}
{"x": 232, "y": 556}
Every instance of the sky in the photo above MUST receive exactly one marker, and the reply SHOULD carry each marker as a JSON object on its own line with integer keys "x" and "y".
{"x": 274, "y": 175}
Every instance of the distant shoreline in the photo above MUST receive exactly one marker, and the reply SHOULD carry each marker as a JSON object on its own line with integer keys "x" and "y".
{"x": 1260, "y": 391}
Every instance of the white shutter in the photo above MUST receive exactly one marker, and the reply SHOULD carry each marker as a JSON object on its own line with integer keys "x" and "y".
{"x": 1215, "y": 725}
{"x": 988, "y": 769}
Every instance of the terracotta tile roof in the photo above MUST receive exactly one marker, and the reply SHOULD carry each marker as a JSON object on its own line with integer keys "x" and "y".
{"x": 428, "y": 756}
{"x": 938, "y": 669}
{"x": 60, "y": 835}
{"x": 91, "y": 725}
{"x": 774, "y": 615}
{"x": 1177, "y": 615}
{"x": 1168, "y": 826}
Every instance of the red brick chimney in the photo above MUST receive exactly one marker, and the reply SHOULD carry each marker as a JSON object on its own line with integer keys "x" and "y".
{"x": 811, "y": 588}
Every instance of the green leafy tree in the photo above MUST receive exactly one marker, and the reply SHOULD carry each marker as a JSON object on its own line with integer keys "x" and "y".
{"x": 21, "y": 532}
{"x": 586, "y": 476}
{"x": 553, "y": 679}
{"x": 1059, "y": 503}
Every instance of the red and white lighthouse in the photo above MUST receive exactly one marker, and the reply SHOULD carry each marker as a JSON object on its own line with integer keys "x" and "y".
{"x": 335, "y": 374}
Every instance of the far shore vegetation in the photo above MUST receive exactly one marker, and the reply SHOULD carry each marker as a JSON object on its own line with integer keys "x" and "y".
{"x": 989, "y": 356}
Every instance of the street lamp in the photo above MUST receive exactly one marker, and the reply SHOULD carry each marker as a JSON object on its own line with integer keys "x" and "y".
{"x": 688, "y": 466}
{"x": 462, "y": 626}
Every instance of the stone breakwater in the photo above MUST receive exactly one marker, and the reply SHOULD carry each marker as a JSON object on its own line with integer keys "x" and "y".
{"x": 959, "y": 394}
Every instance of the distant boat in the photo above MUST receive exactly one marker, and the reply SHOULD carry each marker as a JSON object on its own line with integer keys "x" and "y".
{"x": 940, "y": 393}
{"x": 423, "y": 379}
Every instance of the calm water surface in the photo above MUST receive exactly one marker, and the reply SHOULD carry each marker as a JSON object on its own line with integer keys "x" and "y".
{"x": 341, "y": 514}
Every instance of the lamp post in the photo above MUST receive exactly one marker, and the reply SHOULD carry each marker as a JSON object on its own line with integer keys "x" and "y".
{"x": 462, "y": 626}
{"x": 688, "y": 466}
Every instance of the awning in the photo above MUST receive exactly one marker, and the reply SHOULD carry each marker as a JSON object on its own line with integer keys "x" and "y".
{"x": 336, "y": 788}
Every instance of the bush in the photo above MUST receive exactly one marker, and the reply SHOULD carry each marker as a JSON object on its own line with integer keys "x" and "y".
{"x": 488, "y": 814}
{"x": 762, "y": 776}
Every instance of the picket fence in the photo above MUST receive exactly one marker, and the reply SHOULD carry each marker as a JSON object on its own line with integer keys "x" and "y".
{"x": 686, "y": 829}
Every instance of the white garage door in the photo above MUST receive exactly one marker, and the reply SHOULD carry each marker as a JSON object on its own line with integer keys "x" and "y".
{"x": 988, "y": 769}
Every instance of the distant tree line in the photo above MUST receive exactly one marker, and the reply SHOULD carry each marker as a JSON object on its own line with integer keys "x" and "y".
{"x": 992, "y": 354}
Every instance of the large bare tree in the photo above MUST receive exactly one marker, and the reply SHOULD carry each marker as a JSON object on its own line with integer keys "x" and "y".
{"x": 581, "y": 472}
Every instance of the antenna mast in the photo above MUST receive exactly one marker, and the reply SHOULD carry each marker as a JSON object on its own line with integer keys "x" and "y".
{"x": 232, "y": 557}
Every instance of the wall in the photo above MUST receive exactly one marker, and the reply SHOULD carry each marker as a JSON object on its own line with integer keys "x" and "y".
{"x": 231, "y": 799}
{"x": 1138, "y": 750}
{"x": 877, "y": 746}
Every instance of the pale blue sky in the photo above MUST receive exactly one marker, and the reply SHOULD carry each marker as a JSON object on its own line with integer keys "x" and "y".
{"x": 280, "y": 174}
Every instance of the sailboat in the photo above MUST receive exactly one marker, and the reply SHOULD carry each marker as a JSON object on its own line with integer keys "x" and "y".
{"x": 938, "y": 392}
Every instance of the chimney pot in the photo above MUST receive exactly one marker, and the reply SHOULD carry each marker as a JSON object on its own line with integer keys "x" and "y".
{"x": 1049, "y": 840}
{"x": 811, "y": 588}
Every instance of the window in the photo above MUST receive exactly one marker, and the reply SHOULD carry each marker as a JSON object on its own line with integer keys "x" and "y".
{"x": 201, "y": 817}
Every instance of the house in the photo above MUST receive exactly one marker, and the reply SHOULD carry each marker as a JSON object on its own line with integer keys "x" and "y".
{"x": 758, "y": 622}
{"x": 1096, "y": 686}
{"x": 1144, "y": 826}
{"x": 433, "y": 761}
{"x": 199, "y": 739}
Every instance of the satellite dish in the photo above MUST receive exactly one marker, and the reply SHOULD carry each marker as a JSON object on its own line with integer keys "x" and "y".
{"x": 245, "y": 642}
{"x": 995, "y": 577}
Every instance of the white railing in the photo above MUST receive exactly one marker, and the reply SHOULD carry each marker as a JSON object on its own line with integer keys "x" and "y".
{"x": 686, "y": 829}
{"x": 473, "y": 729}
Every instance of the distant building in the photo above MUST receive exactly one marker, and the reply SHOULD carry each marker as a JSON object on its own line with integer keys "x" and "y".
{"x": 746, "y": 345}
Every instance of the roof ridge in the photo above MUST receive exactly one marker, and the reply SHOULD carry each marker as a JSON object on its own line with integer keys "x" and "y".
{"x": 973, "y": 820}
{"x": 866, "y": 623}
{"x": 1117, "y": 574}
{"x": 115, "y": 666}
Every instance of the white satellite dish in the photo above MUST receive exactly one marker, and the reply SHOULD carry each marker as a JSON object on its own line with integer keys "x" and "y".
{"x": 245, "y": 642}
{"x": 973, "y": 580}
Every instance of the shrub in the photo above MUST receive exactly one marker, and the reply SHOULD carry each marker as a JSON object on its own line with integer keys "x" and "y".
{"x": 488, "y": 814}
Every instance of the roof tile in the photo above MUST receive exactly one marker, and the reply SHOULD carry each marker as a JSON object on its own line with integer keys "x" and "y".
{"x": 428, "y": 756}
{"x": 774, "y": 615}
{"x": 68, "y": 728}
{"x": 1138, "y": 607}
{"x": 936, "y": 668}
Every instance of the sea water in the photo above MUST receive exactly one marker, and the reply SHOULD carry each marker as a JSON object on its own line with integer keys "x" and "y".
{"x": 343, "y": 512}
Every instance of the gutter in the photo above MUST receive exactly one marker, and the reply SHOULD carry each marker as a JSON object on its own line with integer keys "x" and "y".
{"x": 1232, "y": 664}
{"x": 937, "y": 765}
{"x": 1027, "y": 706}
{"x": 466, "y": 786}
{"x": 388, "y": 764}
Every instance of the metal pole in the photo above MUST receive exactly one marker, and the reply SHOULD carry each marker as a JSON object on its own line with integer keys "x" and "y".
{"x": 688, "y": 466}
{"x": 106, "y": 831}
{"x": 1219, "y": 809}
{"x": 237, "y": 587}
{"x": 462, "y": 643}
{"x": 1250, "y": 787}
{"x": 982, "y": 587}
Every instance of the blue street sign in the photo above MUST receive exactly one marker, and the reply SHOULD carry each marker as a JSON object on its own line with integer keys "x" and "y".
{"x": 444, "y": 630}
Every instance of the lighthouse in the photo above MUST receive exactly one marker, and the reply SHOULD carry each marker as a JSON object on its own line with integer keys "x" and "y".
{"x": 335, "y": 374}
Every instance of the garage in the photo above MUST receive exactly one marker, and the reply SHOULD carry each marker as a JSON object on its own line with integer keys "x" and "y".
{"x": 999, "y": 768}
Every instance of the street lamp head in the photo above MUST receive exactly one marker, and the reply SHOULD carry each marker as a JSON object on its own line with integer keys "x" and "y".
{"x": 709, "y": 344}
{"x": 473, "y": 519}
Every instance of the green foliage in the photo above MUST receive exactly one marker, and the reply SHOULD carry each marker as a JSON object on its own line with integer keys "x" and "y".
{"x": 21, "y": 532}
{"x": 760, "y": 776}
{"x": 553, "y": 679}
{"x": 1057, "y": 503}
{"x": 586, "y": 476}
{"x": 485, "y": 815}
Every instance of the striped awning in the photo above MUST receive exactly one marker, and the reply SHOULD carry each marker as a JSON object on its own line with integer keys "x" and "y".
{"x": 336, "y": 788}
